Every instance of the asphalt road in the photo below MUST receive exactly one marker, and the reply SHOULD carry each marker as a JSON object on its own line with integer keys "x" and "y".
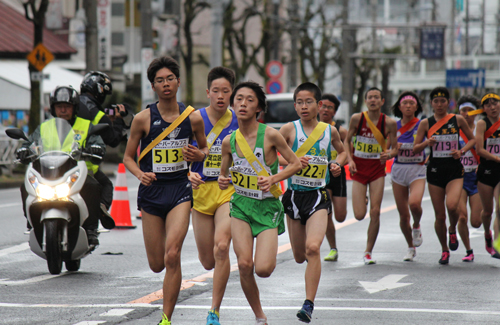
{"x": 116, "y": 276}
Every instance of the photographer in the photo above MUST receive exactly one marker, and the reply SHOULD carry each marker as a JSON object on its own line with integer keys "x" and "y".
{"x": 93, "y": 91}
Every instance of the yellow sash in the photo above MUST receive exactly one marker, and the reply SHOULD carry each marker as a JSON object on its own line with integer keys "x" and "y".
{"x": 311, "y": 140}
{"x": 218, "y": 127}
{"x": 256, "y": 165}
{"x": 376, "y": 132}
{"x": 166, "y": 132}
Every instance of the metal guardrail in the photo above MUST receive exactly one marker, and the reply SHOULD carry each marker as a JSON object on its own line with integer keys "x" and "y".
{"x": 8, "y": 148}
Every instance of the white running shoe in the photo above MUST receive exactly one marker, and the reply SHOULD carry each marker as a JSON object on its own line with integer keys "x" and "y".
{"x": 261, "y": 321}
{"x": 367, "y": 258}
{"x": 417, "y": 237}
{"x": 410, "y": 255}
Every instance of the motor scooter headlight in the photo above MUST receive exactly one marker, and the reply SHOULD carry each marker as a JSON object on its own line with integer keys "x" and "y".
{"x": 62, "y": 190}
{"x": 45, "y": 192}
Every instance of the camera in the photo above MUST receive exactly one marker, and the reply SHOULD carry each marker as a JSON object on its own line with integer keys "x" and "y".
{"x": 113, "y": 111}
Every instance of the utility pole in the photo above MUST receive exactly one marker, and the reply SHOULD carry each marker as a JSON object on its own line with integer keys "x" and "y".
{"x": 452, "y": 29}
{"x": 217, "y": 31}
{"x": 275, "y": 28}
{"x": 483, "y": 12}
{"x": 498, "y": 28}
{"x": 90, "y": 7}
{"x": 348, "y": 47}
{"x": 466, "y": 27}
{"x": 147, "y": 94}
{"x": 294, "y": 34}
{"x": 374, "y": 4}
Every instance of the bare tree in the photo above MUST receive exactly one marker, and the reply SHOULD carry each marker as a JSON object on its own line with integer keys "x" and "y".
{"x": 191, "y": 10}
{"x": 37, "y": 16}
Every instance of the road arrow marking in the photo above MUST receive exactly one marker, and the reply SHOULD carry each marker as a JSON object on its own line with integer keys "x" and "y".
{"x": 31, "y": 280}
{"x": 386, "y": 283}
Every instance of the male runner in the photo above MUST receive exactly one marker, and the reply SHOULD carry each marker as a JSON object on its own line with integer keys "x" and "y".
{"x": 255, "y": 208}
{"x": 337, "y": 187}
{"x": 367, "y": 165}
{"x": 211, "y": 222}
{"x": 165, "y": 194}
{"x": 445, "y": 171}
{"x": 307, "y": 203}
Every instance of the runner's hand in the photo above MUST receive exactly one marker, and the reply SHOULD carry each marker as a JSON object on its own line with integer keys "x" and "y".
{"x": 431, "y": 141}
{"x": 223, "y": 182}
{"x": 147, "y": 178}
{"x": 195, "y": 180}
{"x": 335, "y": 169}
{"x": 352, "y": 167}
{"x": 456, "y": 154}
{"x": 264, "y": 183}
{"x": 192, "y": 153}
{"x": 384, "y": 156}
{"x": 304, "y": 161}
{"x": 399, "y": 145}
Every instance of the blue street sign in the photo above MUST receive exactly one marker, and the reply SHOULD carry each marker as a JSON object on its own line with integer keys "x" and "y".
{"x": 432, "y": 42}
{"x": 463, "y": 78}
{"x": 274, "y": 86}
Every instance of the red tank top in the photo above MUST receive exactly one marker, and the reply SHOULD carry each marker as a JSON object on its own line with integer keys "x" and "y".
{"x": 366, "y": 146}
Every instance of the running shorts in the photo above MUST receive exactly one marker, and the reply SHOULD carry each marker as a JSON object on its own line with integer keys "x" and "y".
{"x": 405, "y": 174}
{"x": 160, "y": 198}
{"x": 259, "y": 214}
{"x": 369, "y": 170}
{"x": 338, "y": 184}
{"x": 209, "y": 197}
{"x": 301, "y": 205}
{"x": 441, "y": 174}
{"x": 488, "y": 173}
{"x": 470, "y": 183}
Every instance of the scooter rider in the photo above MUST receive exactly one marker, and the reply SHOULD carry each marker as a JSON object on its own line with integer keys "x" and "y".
{"x": 64, "y": 104}
{"x": 93, "y": 91}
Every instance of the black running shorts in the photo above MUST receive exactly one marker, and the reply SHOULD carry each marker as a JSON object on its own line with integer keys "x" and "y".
{"x": 301, "y": 205}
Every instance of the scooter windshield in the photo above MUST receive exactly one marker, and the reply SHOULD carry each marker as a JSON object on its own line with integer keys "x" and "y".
{"x": 57, "y": 141}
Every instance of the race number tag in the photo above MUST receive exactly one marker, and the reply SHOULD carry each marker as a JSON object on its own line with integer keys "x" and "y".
{"x": 314, "y": 175}
{"x": 211, "y": 165}
{"x": 493, "y": 146}
{"x": 167, "y": 156}
{"x": 406, "y": 154}
{"x": 367, "y": 148}
{"x": 245, "y": 182}
{"x": 469, "y": 162}
{"x": 444, "y": 145}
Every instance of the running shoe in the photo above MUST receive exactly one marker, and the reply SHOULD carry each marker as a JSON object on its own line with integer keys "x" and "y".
{"x": 489, "y": 244}
{"x": 212, "y": 318}
{"x": 417, "y": 237}
{"x": 305, "y": 313}
{"x": 468, "y": 258}
{"x": 453, "y": 241}
{"x": 261, "y": 321}
{"x": 410, "y": 255}
{"x": 445, "y": 258}
{"x": 333, "y": 256}
{"x": 368, "y": 259}
{"x": 164, "y": 320}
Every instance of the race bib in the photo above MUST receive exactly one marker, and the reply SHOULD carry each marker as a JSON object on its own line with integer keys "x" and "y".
{"x": 444, "y": 145}
{"x": 367, "y": 148}
{"x": 314, "y": 175}
{"x": 245, "y": 182}
{"x": 211, "y": 165}
{"x": 167, "y": 156}
{"x": 406, "y": 154}
{"x": 493, "y": 146}
{"x": 469, "y": 162}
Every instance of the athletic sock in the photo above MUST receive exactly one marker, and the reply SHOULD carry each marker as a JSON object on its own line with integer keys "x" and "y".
{"x": 469, "y": 252}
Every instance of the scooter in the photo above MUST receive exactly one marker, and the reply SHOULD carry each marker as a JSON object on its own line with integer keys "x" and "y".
{"x": 55, "y": 209}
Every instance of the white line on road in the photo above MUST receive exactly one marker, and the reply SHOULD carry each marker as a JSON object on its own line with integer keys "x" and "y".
{"x": 370, "y": 309}
{"x": 117, "y": 312}
{"x": 14, "y": 249}
{"x": 31, "y": 280}
{"x": 91, "y": 322}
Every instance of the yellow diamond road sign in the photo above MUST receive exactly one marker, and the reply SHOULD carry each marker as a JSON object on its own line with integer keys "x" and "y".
{"x": 40, "y": 57}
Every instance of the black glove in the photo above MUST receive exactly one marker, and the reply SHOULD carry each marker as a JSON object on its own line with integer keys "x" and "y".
{"x": 97, "y": 150}
{"x": 22, "y": 154}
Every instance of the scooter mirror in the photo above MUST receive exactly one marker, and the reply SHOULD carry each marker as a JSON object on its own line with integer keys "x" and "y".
{"x": 16, "y": 134}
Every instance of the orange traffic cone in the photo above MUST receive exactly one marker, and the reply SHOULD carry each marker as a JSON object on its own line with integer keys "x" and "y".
{"x": 120, "y": 208}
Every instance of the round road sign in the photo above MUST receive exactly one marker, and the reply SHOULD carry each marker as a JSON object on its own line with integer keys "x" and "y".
{"x": 274, "y": 69}
{"x": 274, "y": 86}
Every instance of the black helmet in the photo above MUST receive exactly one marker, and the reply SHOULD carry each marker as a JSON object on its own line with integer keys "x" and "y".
{"x": 64, "y": 94}
{"x": 98, "y": 84}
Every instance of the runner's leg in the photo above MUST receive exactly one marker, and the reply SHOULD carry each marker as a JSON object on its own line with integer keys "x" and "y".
{"x": 221, "y": 253}
{"x": 486, "y": 195}
{"x": 204, "y": 230}
{"x": 297, "y": 235}
{"x": 453, "y": 190}
{"x": 401, "y": 197}
{"x": 330, "y": 229}
{"x": 315, "y": 232}
{"x": 359, "y": 200}
{"x": 266, "y": 249}
{"x": 437, "y": 197}
{"x": 376, "y": 194}
{"x": 417, "y": 189}
{"x": 462, "y": 227}
{"x": 475, "y": 210}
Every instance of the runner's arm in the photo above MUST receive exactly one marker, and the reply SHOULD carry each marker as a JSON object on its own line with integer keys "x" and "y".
{"x": 419, "y": 144}
{"x": 353, "y": 125}
{"x": 294, "y": 164}
{"x": 190, "y": 152}
{"x": 339, "y": 146}
{"x": 227, "y": 159}
{"x": 480, "y": 149}
{"x": 392, "y": 127}
{"x": 285, "y": 132}
{"x": 464, "y": 126}
{"x": 137, "y": 131}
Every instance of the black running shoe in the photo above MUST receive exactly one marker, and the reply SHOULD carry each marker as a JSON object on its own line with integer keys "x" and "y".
{"x": 445, "y": 258}
{"x": 305, "y": 313}
{"x": 92, "y": 235}
{"x": 453, "y": 241}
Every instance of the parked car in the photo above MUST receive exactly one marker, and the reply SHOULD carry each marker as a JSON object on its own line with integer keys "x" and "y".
{"x": 280, "y": 110}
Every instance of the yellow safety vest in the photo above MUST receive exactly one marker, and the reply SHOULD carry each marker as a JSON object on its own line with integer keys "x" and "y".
{"x": 52, "y": 142}
{"x": 98, "y": 117}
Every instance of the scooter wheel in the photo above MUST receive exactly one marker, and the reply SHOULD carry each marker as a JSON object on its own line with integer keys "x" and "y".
{"x": 53, "y": 245}
{"x": 73, "y": 265}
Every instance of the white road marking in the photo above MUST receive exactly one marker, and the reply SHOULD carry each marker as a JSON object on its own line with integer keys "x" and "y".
{"x": 14, "y": 249}
{"x": 30, "y": 280}
{"x": 316, "y": 307}
{"x": 91, "y": 322}
{"x": 386, "y": 283}
{"x": 117, "y": 312}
